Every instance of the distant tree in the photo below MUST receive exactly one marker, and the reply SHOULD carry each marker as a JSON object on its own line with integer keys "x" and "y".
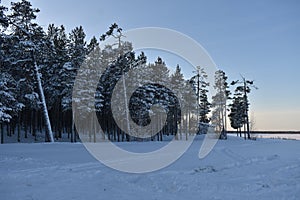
{"x": 252, "y": 122}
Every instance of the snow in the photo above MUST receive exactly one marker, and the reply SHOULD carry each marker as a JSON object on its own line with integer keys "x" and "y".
{"x": 235, "y": 169}
{"x": 32, "y": 96}
{"x": 68, "y": 66}
{"x": 4, "y": 117}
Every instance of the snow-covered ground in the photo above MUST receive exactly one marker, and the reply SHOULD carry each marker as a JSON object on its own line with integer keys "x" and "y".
{"x": 235, "y": 169}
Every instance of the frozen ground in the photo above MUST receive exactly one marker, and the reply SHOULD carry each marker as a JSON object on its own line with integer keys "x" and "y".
{"x": 235, "y": 169}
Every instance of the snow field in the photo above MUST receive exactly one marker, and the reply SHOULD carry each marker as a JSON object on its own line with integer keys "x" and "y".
{"x": 235, "y": 169}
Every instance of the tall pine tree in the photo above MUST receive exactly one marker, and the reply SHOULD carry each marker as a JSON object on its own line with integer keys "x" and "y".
{"x": 219, "y": 103}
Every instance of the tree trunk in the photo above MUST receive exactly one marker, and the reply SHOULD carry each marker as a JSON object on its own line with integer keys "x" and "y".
{"x": 2, "y": 134}
{"x": 175, "y": 125}
{"x": 7, "y": 129}
{"x": 19, "y": 128}
{"x": 26, "y": 123}
{"x": 245, "y": 132}
{"x": 248, "y": 128}
{"x": 125, "y": 99}
{"x": 73, "y": 130}
{"x": 44, "y": 105}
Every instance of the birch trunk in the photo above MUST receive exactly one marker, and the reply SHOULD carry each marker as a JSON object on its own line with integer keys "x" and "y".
{"x": 44, "y": 105}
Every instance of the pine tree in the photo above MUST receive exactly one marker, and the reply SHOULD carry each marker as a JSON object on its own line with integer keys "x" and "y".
{"x": 200, "y": 85}
{"x": 3, "y": 17}
{"x": 219, "y": 103}
{"x": 55, "y": 76}
{"x": 3, "y": 35}
{"x": 88, "y": 80}
{"x": 77, "y": 54}
{"x": 9, "y": 105}
{"x": 159, "y": 94}
{"x": 241, "y": 93}
{"x": 191, "y": 105}
{"x": 28, "y": 40}
{"x": 203, "y": 98}
{"x": 159, "y": 72}
{"x": 178, "y": 84}
{"x": 237, "y": 112}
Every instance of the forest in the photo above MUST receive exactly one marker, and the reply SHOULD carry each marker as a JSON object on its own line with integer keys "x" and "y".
{"x": 39, "y": 69}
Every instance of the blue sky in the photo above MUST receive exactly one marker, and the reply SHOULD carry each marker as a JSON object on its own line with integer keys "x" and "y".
{"x": 258, "y": 39}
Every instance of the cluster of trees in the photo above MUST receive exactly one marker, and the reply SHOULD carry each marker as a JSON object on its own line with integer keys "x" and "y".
{"x": 240, "y": 106}
{"x": 39, "y": 68}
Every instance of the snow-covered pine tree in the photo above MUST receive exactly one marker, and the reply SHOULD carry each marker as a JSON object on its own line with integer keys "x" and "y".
{"x": 178, "y": 84}
{"x": 9, "y": 102}
{"x": 27, "y": 58}
{"x": 9, "y": 105}
{"x": 55, "y": 79}
{"x": 8, "y": 95}
{"x": 86, "y": 82}
{"x": 117, "y": 59}
{"x": 200, "y": 84}
{"x": 190, "y": 104}
{"x": 77, "y": 53}
{"x": 160, "y": 75}
{"x": 3, "y": 17}
{"x": 3, "y": 35}
{"x": 122, "y": 111}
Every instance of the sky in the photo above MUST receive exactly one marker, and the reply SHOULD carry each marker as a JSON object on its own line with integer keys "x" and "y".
{"x": 257, "y": 39}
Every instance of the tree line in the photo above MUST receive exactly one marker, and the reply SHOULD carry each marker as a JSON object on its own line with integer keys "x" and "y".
{"x": 39, "y": 68}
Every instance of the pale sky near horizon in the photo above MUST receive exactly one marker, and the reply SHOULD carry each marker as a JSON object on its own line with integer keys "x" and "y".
{"x": 258, "y": 39}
